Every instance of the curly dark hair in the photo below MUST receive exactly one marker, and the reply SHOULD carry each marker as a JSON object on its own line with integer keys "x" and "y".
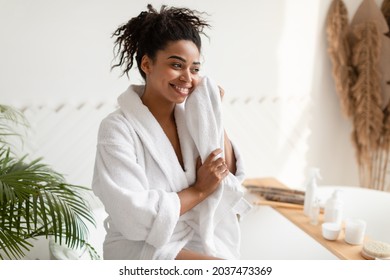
{"x": 151, "y": 31}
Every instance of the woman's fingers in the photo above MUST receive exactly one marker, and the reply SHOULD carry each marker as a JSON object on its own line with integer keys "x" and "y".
{"x": 211, "y": 172}
{"x": 216, "y": 165}
{"x": 224, "y": 171}
{"x": 218, "y": 162}
{"x": 212, "y": 156}
{"x": 222, "y": 168}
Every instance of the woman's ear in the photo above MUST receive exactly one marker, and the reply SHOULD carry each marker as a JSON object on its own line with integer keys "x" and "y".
{"x": 146, "y": 64}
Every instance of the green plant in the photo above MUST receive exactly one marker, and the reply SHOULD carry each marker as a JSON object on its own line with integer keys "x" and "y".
{"x": 35, "y": 200}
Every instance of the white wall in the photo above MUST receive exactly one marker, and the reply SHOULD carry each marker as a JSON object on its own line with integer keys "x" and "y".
{"x": 61, "y": 51}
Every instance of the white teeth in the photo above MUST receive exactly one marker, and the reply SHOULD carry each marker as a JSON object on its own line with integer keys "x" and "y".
{"x": 182, "y": 90}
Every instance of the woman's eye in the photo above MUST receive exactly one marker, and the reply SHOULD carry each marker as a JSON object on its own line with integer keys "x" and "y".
{"x": 195, "y": 70}
{"x": 176, "y": 65}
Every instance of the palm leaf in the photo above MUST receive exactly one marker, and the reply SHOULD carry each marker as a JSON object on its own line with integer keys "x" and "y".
{"x": 368, "y": 115}
{"x": 10, "y": 120}
{"x": 339, "y": 52}
{"x": 12, "y": 244}
{"x": 50, "y": 206}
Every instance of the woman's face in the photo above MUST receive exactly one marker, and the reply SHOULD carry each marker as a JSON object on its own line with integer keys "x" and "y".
{"x": 173, "y": 74}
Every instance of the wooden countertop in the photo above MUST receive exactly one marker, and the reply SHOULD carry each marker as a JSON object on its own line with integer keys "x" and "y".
{"x": 339, "y": 247}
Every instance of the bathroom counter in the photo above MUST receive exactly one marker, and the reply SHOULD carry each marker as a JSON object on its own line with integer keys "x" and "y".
{"x": 339, "y": 247}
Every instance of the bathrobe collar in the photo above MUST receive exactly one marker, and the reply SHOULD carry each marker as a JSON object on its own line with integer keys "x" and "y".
{"x": 155, "y": 140}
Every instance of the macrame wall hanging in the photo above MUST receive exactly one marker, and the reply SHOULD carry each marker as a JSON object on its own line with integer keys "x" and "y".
{"x": 360, "y": 54}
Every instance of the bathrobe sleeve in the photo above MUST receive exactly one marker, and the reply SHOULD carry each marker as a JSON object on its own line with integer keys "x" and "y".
{"x": 138, "y": 212}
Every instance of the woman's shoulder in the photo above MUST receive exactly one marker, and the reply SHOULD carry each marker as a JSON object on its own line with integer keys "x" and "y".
{"x": 115, "y": 128}
{"x": 115, "y": 117}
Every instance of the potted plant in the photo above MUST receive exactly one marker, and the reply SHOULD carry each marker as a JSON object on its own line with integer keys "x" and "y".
{"x": 36, "y": 200}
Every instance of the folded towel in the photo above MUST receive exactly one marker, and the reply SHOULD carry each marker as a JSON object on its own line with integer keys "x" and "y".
{"x": 203, "y": 114}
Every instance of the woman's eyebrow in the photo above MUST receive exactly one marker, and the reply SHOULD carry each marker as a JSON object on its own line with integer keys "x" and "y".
{"x": 182, "y": 59}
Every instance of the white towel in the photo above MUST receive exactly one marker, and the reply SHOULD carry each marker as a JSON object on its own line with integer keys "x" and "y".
{"x": 204, "y": 121}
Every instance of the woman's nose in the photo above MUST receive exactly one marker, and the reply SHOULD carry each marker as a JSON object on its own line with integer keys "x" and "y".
{"x": 186, "y": 76}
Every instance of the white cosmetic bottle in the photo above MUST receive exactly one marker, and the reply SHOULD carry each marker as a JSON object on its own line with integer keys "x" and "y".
{"x": 333, "y": 212}
{"x": 315, "y": 212}
{"x": 311, "y": 188}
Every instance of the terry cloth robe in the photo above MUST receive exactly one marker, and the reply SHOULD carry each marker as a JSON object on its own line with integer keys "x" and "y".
{"x": 137, "y": 176}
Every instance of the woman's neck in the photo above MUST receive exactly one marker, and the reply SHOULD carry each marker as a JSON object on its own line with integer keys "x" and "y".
{"x": 162, "y": 110}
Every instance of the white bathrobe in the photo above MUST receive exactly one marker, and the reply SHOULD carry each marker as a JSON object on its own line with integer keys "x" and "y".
{"x": 137, "y": 176}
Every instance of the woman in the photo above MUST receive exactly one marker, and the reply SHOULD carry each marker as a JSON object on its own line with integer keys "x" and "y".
{"x": 145, "y": 172}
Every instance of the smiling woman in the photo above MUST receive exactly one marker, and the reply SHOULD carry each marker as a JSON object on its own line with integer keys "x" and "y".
{"x": 151, "y": 193}
{"x": 173, "y": 74}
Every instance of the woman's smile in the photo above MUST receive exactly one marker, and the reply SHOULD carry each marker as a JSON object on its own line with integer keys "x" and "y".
{"x": 182, "y": 90}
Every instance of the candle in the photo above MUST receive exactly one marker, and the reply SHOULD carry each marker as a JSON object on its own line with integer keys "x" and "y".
{"x": 354, "y": 231}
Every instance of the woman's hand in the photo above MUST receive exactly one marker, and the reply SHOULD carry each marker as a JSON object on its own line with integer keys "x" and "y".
{"x": 211, "y": 173}
{"x": 208, "y": 177}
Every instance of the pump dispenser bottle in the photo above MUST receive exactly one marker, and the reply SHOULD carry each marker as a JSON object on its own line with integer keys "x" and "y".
{"x": 311, "y": 188}
{"x": 333, "y": 212}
